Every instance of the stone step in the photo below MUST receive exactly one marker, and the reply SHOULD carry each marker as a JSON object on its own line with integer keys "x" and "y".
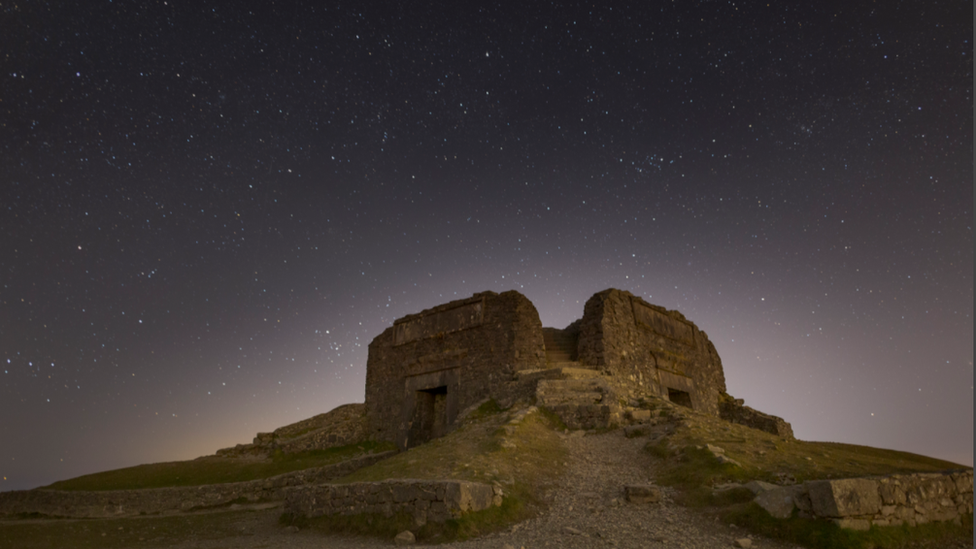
{"x": 559, "y": 370}
{"x": 551, "y": 392}
{"x": 560, "y": 346}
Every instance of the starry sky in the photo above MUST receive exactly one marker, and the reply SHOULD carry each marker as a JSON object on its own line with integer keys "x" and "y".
{"x": 208, "y": 209}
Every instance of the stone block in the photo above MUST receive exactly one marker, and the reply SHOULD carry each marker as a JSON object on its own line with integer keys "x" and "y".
{"x": 640, "y": 415}
{"x": 904, "y": 513}
{"x": 404, "y": 492}
{"x": 777, "y": 502}
{"x": 405, "y": 537}
{"x": 891, "y": 492}
{"x": 438, "y": 512}
{"x": 964, "y": 482}
{"x": 844, "y": 497}
{"x": 801, "y": 498}
{"x": 468, "y": 496}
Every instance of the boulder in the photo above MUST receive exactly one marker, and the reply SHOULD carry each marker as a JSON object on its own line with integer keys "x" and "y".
{"x": 405, "y": 537}
{"x": 778, "y": 502}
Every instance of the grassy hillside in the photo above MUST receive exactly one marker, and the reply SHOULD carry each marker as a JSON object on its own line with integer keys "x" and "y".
{"x": 214, "y": 470}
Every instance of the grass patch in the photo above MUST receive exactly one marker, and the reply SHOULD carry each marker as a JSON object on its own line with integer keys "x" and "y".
{"x": 763, "y": 455}
{"x": 553, "y": 419}
{"x": 822, "y": 534}
{"x": 472, "y": 452}
{"x": 127, "y": 533}
{"x": 215, "y": 470}
{"x": 489, "y": 408}
{"x": 697, "y": 468}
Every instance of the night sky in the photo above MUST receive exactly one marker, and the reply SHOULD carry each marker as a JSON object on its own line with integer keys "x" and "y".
{"x": 209, "y": 209}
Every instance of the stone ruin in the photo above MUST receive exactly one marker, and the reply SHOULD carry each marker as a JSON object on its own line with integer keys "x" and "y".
{"x": 429, "y": 369}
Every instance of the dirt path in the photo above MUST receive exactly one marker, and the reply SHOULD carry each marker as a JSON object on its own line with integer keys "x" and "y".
{"x": 587, "y": 510}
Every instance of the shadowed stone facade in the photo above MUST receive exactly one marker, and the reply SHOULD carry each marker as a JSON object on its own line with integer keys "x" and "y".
{"x": 652, "y": 347}
{"x": 427, "y": 368}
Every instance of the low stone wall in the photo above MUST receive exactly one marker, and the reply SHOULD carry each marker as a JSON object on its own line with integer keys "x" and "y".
{"x": 425, "y": 500}
{"x": 120, "y": 503}
{"x": 343, "y": 425}
{"x": 859, "y": 503}
{"x": 733, "y": 411}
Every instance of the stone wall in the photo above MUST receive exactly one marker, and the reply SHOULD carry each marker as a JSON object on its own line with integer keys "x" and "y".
{"x": 424, "y": 500}
{"x": 652, "y": 347}
{"x": 859, "y": 503}
{"x": 734, "y": 411}
{"x": 341, "y": 426}
{"x": 427, "y": 367}
{"x": 121, "y": 503}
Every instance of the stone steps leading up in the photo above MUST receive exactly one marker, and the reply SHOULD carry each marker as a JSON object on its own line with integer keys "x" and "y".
{"x": 560, "y": 346}
{"x": 578, "y": 392}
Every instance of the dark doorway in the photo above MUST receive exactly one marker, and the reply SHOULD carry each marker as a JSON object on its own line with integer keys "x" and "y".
{"x": 680, "y": 398}
{"x": 430, "y": 415}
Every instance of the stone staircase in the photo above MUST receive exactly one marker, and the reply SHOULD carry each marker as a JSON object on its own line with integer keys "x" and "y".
{"x": 560, "y": 346}
{"x": 579, "y": 396}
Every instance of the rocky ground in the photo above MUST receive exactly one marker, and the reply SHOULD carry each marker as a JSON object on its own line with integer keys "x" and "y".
{"x": 587, "y": 510}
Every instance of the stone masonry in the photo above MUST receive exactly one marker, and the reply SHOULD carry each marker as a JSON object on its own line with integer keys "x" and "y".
{"x": 859, "y": 503}
{"x": 424, "y": 500}
{"x": 428, "y": 367}
{"x": 652, "y": 347}
{"x": 343, "y": 425}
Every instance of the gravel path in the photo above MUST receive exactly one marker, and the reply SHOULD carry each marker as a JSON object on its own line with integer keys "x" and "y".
{"x": 586, "y": 511}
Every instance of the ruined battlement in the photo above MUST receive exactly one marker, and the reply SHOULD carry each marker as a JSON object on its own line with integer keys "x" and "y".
{"x": 652, "y": 347}
{"x": 428, "y": 367}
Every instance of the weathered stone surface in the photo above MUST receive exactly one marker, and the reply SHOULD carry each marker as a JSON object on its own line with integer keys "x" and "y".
{"x": 468, "y": 496}
{"x": 659, "y": 349}
{"x": 743, "y": 543}
{"x": 640, "y": 416}
{"x": 430, "y": 366}
{"x": 427, "y": 367}
{"x": 642, "y": 493}
{"x": 778, "y": 502}
{"x": 844, "y": 497}
{"x": 734, "y": 411}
